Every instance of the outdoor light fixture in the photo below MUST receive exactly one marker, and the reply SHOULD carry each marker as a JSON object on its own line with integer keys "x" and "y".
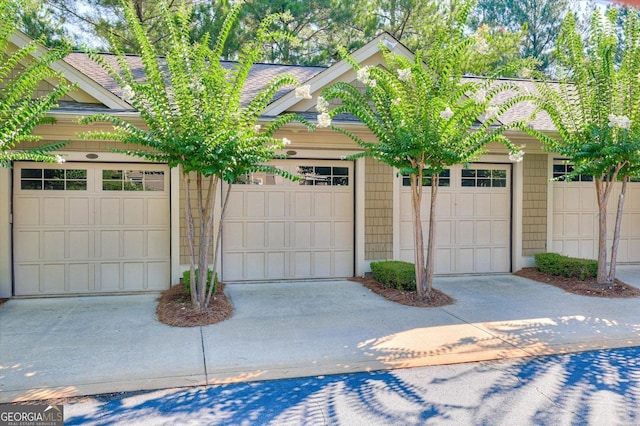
{"x": 92, "y": 156}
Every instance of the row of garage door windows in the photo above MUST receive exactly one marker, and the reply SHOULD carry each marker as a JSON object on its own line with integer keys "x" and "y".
{"x": 144, "y": 180}
{"x": 76, "y": 180}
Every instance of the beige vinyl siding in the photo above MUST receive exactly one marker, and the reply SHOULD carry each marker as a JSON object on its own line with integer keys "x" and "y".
{"x": 534, "y": 204}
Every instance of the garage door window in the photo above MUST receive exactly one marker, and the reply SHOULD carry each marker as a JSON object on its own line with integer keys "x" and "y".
{"x": 132, "y": 180}
{"x": 53, "y": 179}
{"x": 445, "y": 179}
{"x": 324, "y": 175}
{"x": 561, "y": 169}
{"x": 484, "y": 178}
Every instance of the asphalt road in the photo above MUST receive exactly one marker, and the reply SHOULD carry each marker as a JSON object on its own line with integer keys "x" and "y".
{"x": 588, "y": 388}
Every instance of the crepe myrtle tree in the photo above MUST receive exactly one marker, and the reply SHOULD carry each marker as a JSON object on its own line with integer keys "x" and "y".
{"x": 595, "y": 106}
{"x": 22, "y": 108}
{"x": 426, "y": 117}
{"x": 191, "y": 103}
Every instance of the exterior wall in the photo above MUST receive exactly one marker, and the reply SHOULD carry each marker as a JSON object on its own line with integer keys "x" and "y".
{"x": 378, "y": 202}
{"x": 534, "y": 204}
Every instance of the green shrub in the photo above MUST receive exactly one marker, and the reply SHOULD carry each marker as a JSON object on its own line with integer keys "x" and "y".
{"x": 395, "y": 274}
{"x": 565, "y": 266}
{"x": 186, "y": 279}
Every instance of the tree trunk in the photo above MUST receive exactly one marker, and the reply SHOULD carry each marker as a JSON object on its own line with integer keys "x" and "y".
{"x": 418, "y": 238}
{"x": 191, "y": 239}
{"x": 216, "y": 251}
{"x": 206, "y": 225}
{"x": 431, "y": 242}
{"x": 602, "y": 196}
{"x": 616, "y": 232}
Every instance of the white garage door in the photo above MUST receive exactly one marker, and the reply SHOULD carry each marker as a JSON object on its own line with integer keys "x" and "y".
{"x": 473, "y": 219}
{"x": 281, "y": 229}
{"x": 84, "y": 228}
{"x": 575, "y": 218}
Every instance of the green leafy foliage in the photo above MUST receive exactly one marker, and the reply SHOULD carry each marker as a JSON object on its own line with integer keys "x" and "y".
{"x": 565, "y": 266}
{"x": 395, "y": 274}
{"x": 595, "y": 107}
{"x": 211, "y": 280}
{"x": 22, "y": 108}
{"x": 425, "y": 117}
{"x": 196, "y": 118}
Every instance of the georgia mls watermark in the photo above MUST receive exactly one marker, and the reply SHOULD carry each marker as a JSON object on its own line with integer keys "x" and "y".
{"x": 31, "y": 415}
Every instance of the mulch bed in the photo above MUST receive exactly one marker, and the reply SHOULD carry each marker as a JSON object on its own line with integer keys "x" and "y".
{"x": 174, "y": 308}
{"x": 408, "y": 298}
{"x": 588, "y": 287}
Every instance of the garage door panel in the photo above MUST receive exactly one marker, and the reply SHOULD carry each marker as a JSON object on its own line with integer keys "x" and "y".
{"x": 322, "y": 235}
{"x": 134, "y": 212}
{"x": 343, "y": 204}
{"x": 80, "y": 245}
{"x": 343, "y": 236}
{"x": 109, "y": 278}
{"x": 443, "y": 232}
{"x": 54, "y": 244}
{"x": 343, "y": 263}
{"x": 54, "y": 211}
{"x": 483, "y": 260}
{"x": 110, "y": 211}
{"x": 322, "y": 263}
{"x": 483, "y": 204}
{"x": 27, "y": 212}
{"x": 236, "y": 204}
{"x": 302, "y": 205}
{"x": 156, "y": 244}
{"x": 134, "y": 244}
{"x": 79, "y": 211}
{"x": 464, "y": 205}
{"x": 53, "y": 279}
{"x": 498, "y": 201}
{"x": 483, "y": 232}
{"x": 302, "y": 264}
{"x": 302, "y": 234}
{"x": 464, "y": 258}
{"x": 444, "y": 206}
{"x": 473, "y": 222}
{"x": 575, "y": 225}
{"x": 443, "y": 260}
{"x": 465, "y": 232}
{"x": 302, "y": 229}
{"x": 235, "y": 231}
{"x": 255, "y": 235}
{"x": 277, "y": 206}
{"x": 109, "y": 244}
{"x": 257, "y": 260}
{"x": 322, "y": 205}
{"x": 276, "y": 235}
{"x": 133, "y": 276}
{"x": 233, "y": 266}
{"x": 80, "y": 277}
{"x": 500, "y": 259}
{"x": 276, "y": 264}
{"x": 27, "y": 245}
{"x": 157, "y": 273}
{"x": 255, "y": 204}
{"x": 78, "y": 234}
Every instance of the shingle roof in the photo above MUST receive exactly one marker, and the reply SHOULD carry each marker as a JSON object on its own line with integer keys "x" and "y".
{"x": 259, "y": 75}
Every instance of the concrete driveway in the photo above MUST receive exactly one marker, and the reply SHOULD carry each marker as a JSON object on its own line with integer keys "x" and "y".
{"x": 87, "y": 345}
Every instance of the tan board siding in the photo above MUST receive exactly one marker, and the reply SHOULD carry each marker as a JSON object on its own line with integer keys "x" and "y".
{"x": 534, "y": 204}
{"x": 378, "y": 202}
